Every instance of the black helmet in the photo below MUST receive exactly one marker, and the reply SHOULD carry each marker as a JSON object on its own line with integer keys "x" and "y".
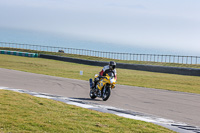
{"x": 112, "y": 65}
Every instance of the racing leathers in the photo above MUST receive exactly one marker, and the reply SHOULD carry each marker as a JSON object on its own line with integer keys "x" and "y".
{"x": 106, "y": 69}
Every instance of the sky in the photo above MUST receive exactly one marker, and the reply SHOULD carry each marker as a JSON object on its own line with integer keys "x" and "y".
{"x": 164, "y": 24}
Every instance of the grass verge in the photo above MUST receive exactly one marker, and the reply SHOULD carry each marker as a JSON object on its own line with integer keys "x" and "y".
{"x": 106, "y": 59}
{"x": 126, "y": 77}
{"x": 25, "y": 113}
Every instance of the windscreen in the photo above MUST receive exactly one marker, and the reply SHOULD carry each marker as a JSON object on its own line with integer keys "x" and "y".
{"x": 111, "y": 74}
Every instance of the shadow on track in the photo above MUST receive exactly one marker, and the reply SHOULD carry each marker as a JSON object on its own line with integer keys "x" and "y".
{"x": 86, "y": 99}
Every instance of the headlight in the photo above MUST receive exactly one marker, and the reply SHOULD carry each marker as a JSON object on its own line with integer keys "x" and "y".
{"x": 112, "y": 80}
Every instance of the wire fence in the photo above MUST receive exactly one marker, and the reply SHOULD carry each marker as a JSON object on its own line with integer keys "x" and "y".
{"x": 111, "y": 55}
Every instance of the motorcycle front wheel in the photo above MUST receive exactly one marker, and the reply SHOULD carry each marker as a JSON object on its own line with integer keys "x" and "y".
{"x": 106, "y": 93}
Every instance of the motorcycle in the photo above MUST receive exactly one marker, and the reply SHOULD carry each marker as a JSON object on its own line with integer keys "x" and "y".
{"x": 103, "y": 87}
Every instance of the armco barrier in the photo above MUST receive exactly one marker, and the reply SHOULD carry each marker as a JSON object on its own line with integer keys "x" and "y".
{"x": 160, "y": 69}
{"x": 19, "y": 53}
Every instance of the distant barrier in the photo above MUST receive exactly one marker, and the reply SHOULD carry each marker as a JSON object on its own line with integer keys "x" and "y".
{"x": 26, "y": 54}
{"x": 150, "y": 68}
{"x": 111, "y": 55}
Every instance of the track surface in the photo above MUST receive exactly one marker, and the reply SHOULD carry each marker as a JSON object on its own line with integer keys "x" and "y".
{"x": 178, "y": 106}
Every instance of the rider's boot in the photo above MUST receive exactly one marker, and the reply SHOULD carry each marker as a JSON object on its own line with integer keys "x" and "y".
{"x": 95, "y": 82}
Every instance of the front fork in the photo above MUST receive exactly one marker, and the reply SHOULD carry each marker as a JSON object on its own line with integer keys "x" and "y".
{"x": 105, "y": 87}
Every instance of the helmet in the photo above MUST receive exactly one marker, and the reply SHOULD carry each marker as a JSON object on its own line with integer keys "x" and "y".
{"x": 112, "y": 65}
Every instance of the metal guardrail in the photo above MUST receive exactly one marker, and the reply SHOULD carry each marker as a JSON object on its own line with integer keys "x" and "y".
{"x": 111, "y": 55}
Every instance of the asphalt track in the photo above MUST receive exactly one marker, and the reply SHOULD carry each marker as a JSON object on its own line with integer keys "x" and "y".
{"x": 177, "y": 106}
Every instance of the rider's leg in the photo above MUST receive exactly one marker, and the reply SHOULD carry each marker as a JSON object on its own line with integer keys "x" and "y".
{"x": 95, "y": 81}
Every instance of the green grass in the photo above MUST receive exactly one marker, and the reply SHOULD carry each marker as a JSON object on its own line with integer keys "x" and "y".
{"x": 106, "y": 59}
{"x": 126, "y": 77}
{"x": 25, "y": 113}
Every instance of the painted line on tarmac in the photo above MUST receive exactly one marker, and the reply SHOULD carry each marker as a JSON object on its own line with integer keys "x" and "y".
{"x": 170, "y": 124}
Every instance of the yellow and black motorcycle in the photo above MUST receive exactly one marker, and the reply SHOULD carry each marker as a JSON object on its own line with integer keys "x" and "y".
{"x": 103, "y": 87}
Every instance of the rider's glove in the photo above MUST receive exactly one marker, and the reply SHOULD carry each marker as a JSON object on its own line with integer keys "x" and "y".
{"x": 113, "y": 86}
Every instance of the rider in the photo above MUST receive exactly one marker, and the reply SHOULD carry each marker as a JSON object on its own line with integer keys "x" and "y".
{"x": 106, "y": 69}
{"x": 109, "y": 68}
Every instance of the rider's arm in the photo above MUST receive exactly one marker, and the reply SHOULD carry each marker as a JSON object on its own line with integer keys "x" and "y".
{"x": 115, "y": 76}
{"x": 115, "y": 72}
{"x": 101, "y": 73}
{"x": 103, "y": 70}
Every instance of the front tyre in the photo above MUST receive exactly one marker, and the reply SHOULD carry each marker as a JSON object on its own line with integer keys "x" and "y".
{"x": 106, "y": 93}
{"x": 92, "y": 96}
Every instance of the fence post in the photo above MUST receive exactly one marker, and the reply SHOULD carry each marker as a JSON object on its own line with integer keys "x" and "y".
{"x": 187, "y": 60}
{"x": 150, "y": 58}
{"x": 157, "y": 58}
{"x": 143, "y": 56}
{"x": 178, "y": 58}
{"x": 182, "y": 59}
{"x": 161, "y": 58}
{"x": 125, "y": 56}
{"x": 196, "y": 59}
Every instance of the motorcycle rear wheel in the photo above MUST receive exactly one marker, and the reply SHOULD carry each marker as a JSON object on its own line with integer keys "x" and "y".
{"x": 92, "y": 96}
